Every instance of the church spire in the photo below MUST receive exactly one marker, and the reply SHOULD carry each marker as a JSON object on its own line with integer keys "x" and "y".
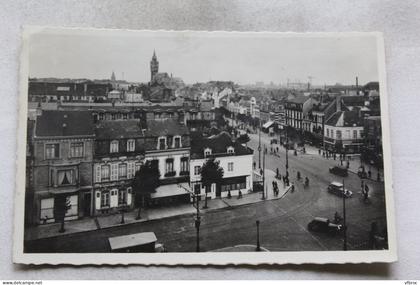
{"x": 154, "y": 66}
{"x": 113, "y": 76}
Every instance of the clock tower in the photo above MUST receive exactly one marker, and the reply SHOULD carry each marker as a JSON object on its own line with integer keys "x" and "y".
{"x": 154, "y": 67}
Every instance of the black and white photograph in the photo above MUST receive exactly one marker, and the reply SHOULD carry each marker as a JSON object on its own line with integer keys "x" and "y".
{"x": 158, "y": 147}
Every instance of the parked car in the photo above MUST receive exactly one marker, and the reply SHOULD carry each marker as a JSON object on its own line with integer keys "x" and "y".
{"x": 337, "y": 189}
{"x": 339, "y": 170}
{"x": 324, "y": 225}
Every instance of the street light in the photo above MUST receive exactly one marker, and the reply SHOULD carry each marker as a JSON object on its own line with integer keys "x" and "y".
{"x": 263, "y": 175}
{"x": 197, "y": 220}
{"x": 344, "y": 219}
{"x": 258, "y": 236}
{"x": 259, "y": 147}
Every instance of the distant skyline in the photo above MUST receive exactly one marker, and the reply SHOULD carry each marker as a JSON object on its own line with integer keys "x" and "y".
{"x": 241, "y": 58}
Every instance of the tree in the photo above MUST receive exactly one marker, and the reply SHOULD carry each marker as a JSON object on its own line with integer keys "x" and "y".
{"x": 211, "y": 172}
{"x": 243, "y": 139}
{"x": 145, "y": 182}
{"x": 62, "y": 205}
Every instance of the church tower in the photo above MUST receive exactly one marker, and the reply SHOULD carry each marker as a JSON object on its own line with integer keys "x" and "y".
{"x": 154, "y": 67}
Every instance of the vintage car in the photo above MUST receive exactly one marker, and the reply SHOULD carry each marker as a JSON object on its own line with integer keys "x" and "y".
{"x": 339, "y": 170}
{"x": 324, "y": 225}
{"x": 140, "y": 242}
{"x": 337, "y": 189}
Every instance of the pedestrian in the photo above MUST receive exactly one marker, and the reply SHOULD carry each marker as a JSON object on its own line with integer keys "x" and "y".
{"x": 254, "y": 164}
{"x": 366, "y": 196}
{"x": 335, "y": 156}
{"x": 348, "y": 164}
{"x": 378, "y": 178}
{"x": 293, "y": 187}
{"x": 369, "y": 174}
{"x": 277, "y": 149}
{"x": 319, "y": 151}
{"x": 261, "y": 171}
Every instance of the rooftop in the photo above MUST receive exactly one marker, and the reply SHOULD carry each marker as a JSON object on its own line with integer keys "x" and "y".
{"x": 171, "y": 127}
{"x": 64, "y": 123}
{"x": 118, "y": 129}
{"x": 218, "y": 144}
{"x": 345, "y": 119}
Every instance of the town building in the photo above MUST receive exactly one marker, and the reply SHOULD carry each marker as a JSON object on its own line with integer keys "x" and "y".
{"x": 372, "y": 151}
{"x": 235, "y": 159}
{"x": 343, "y": 131}
{"x": 167, "y": 146}
{"x": 119, "y": 153}
{"x": 62, "y": 156}
{"x": 296, "y": 111}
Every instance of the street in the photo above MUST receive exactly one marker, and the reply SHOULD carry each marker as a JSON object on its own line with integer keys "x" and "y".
{"x": 283, "y": 222}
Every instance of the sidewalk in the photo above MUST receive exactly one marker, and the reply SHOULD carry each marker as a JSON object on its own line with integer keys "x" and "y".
{"x": 114, "y": 220}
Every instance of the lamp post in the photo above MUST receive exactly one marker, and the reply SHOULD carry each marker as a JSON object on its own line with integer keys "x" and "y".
{"x": 197, "y": 221}
{"x": 258, "y": 236}
{"x": 259, "y": 147}
{"x": 263, "y": 175}
{"x": 287, "y": 155}
{"x": 344, "y": 219}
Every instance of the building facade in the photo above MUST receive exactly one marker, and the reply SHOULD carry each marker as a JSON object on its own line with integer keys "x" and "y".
{"x": 234, "y": 158}
{"x": 62, "y": 166}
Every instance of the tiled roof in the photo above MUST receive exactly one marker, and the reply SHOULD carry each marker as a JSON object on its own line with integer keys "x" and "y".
{"x": 118, "y": 129}
{"x": 350, "y": 119}
{"x": 299, "y": 99}
{"x": 171, "y": 127}
{"x": 64, "y": 123}
{"x": 218, "y": 145}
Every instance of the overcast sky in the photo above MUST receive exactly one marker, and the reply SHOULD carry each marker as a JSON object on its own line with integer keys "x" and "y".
{"x": 244, "y": 58}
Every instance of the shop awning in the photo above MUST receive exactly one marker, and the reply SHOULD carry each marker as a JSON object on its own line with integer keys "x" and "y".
{"x": 63, "y": 191}
{"x": 268, "y": 124}
{"x": 171, "y": 190}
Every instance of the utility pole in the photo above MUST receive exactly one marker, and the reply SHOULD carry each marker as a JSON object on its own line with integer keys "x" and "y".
{"x": 197, "y": 224}
{"x": 259, "y": 147}
{"x": 344, "y": 219}
{"x": 263, "y": 175}
{"x": 287, "y": 155}
{"x": 258, "y": 236}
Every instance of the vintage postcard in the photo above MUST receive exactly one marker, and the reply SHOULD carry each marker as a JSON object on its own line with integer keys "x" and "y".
{"x": 177, "y": 148}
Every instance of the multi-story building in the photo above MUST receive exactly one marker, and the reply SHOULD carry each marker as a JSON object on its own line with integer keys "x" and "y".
{"x": 343, "y": 132}
{"x": 62, "y": 155}
{"x": 167, "y": 145}
{"x": 234, "y": 158}
{"x": 296, "y": 111}
{"x": 373, "y": 140}
{"x": 119, "y": 153}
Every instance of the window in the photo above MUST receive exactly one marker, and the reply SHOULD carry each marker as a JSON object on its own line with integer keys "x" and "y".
{"x": 338, "y": 135}
{"x": 122, "y": 171}
{"x": 230, "y": 166}
{"x": 76, "y": 149}
{"x": 177, "y": 142}
{"x": 52, "y": 151}
{"x": 105, "y": 199}
{"x": 105, "y": 172}
{"x": 122, "y": 197}
{"x": 47, "y": 209}
{"x": 130, "y": 170}
{"x": 184, "y": 164}
{"x": 347, "y": 134}
{"x": 207, "y": 152}
{"x": 169, "y": 171}
{"x": 114, "y": 147}
{"x": 230, "y": 150}
{"x": 162, "y": 143}
{"x": 197, "y": 170}
{"x": 131, "y": 145}
{"x": 355, "y": 134}
{"x": 65, "y": 177}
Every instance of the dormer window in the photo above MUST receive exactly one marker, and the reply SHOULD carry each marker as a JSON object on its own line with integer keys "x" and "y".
{"x": 207, "y": 152}
{"x": 114, "y": 147}
{"x": 177, "y": 142}
{"x": 161, "y": 143}
{"x": 131, "y": 145}
{"x": 230, "y": 150}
